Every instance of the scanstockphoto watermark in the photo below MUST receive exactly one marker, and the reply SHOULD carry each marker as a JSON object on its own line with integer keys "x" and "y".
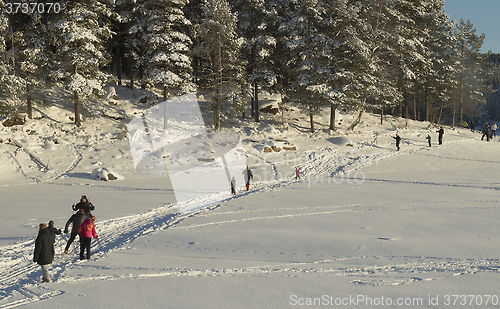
{"x": 451, "y": 300}
{"x": 356, "y": 300}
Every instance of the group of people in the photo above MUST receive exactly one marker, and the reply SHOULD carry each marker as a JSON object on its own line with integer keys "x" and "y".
{"x": 247, "y": 176}
{"x": 83, "y": 224}
{"x": 486, "y": 133}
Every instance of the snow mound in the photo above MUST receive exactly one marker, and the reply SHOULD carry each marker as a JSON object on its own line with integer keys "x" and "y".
{"x": 105, "y": 174}
{"x": 341, "y": 141}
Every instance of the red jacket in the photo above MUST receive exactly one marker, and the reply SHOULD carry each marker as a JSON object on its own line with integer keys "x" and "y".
{"x": 87, "y": 229}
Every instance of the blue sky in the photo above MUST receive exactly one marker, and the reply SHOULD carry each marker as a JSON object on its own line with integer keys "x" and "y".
{"x": 483, "y": 14}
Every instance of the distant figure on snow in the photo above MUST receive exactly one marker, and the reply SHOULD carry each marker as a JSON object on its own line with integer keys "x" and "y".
{"x": 44, "y": 251}
{"x": 86, "y": 231}
{"x": 494, "y": 128}
{"x": 486, "y": 132}
{"x": 398, "y": 140}
{"x": 440, "y": 136}
{"x": 465, "y": 124}
{"x": 77, "y": 220}
{"x": 297, "y": 173}
{"x": 84, "y": 204}
{"x": 233, "y": 186}
{"x": 472, "y": 125}
{"x": 429, "y": 139}
{"x": 247, "y": 175}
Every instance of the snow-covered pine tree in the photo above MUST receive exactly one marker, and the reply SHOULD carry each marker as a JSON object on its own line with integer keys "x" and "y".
{"x": 382, "y": 80}
{"x": 437, "y": 83}
{"x": 80, "y": 36}
{"x": 470, "y": 77}
{"x": 167, "y": 55}
{"x": 11, "y": 85}
{"x": 344, "y": 58}
{"x": 256, "y": 20}
{"x": 304, "y": 37}
{"x": 33, "y": 56}
{"x": 219, "y": 48}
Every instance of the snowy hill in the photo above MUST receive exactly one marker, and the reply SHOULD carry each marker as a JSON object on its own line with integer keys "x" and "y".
{"x": 364, "y": 226}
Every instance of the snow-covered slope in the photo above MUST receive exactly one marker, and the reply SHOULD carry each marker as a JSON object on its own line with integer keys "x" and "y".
{"x": 364, "y": 226}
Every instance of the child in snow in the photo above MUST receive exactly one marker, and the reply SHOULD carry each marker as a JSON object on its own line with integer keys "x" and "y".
{"x": 297, "y": 174}
{"x": 233, "y": 186}
{"x": 429, "y": 139}
{"x": 86, "y": 231}
{"x": 53, "y": 231}
{"x": 398, "y": 140}
{"x": 486, "y": 132}
{"x": 44, "y": 251}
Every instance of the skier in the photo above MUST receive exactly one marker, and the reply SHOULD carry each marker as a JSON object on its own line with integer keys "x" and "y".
{"x": 86, "y": 231}
{"x": 77, "y": 219}
{"x": 84, "y": 204}
{"x": 44, "y": 251}
{"x": 494, "y": 128}
{"x": 440, "y": 137}
{"x": 247, "y": 175}
{"x": 233, "y": 186}
{"x": 297, "y": 174}
{"x": 486, "y": 131}
{"x": 398, "y": 140}
{"x": 53, "y": 231}
{"x": 429, "y": 139}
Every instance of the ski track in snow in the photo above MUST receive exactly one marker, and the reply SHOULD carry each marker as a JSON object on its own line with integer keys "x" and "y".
{"x": 19, "y": 276}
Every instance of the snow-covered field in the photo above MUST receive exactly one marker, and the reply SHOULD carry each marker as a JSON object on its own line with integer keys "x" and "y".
{"x": 366, "y": 226}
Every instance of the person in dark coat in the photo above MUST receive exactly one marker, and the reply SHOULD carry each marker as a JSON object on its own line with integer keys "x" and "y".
{"x": 77, "y": 220}
{"x": 53, "y": 231}
{"x": 233, "y": 186}
{"x": 84, "y": 204}
{"x": 44, "y": 251}
{"x": 440, "y": 136}
{"x": 247, "y": 174}
{"x": 486, "y": 132}
{"x": 429, "y": 140}
{"x": 398, "y": 140}
{"x": 472, "y": 125}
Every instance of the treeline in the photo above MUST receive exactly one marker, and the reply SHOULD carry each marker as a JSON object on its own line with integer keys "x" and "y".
{"x": 403, "y": 57}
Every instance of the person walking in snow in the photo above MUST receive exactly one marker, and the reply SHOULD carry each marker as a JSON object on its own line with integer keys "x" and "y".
{"x": 472, "y": 125}
{"x": 53, "y": 231}
{"x": 44, "y": 251}
{"x": 440, "y": 136}
{"x": 77, "y": 219}
{"x": 494, "y": 128}
{"x": 86, "y": 232}
{"x": 398, "y": 140}
{"x": 429, "y": 139}
{"x": 247, "y": 175}
{"x": 486, "y": 132}
{"x": 233, "y": 186}
{"x": 297, "y": 174}
{"x": 84, "y": 204}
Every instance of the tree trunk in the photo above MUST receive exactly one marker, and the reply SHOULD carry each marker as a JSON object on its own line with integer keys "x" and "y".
{"x": 28, "y": 102}
{"x": 256, "y": 102}
{"x": 311, "y": 117}
{"x": 78, "y": 120}
{"x": 333, "y": 108}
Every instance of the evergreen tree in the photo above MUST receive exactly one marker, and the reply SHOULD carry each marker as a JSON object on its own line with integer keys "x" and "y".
{"x": 219, "y": 47}
{"x": 167, "y": 46}
{"x": 80, "y": 35}
{"x": 303, "y": 36}
{"x": 470, "y": 76}
{"x": 255, "y": 24}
